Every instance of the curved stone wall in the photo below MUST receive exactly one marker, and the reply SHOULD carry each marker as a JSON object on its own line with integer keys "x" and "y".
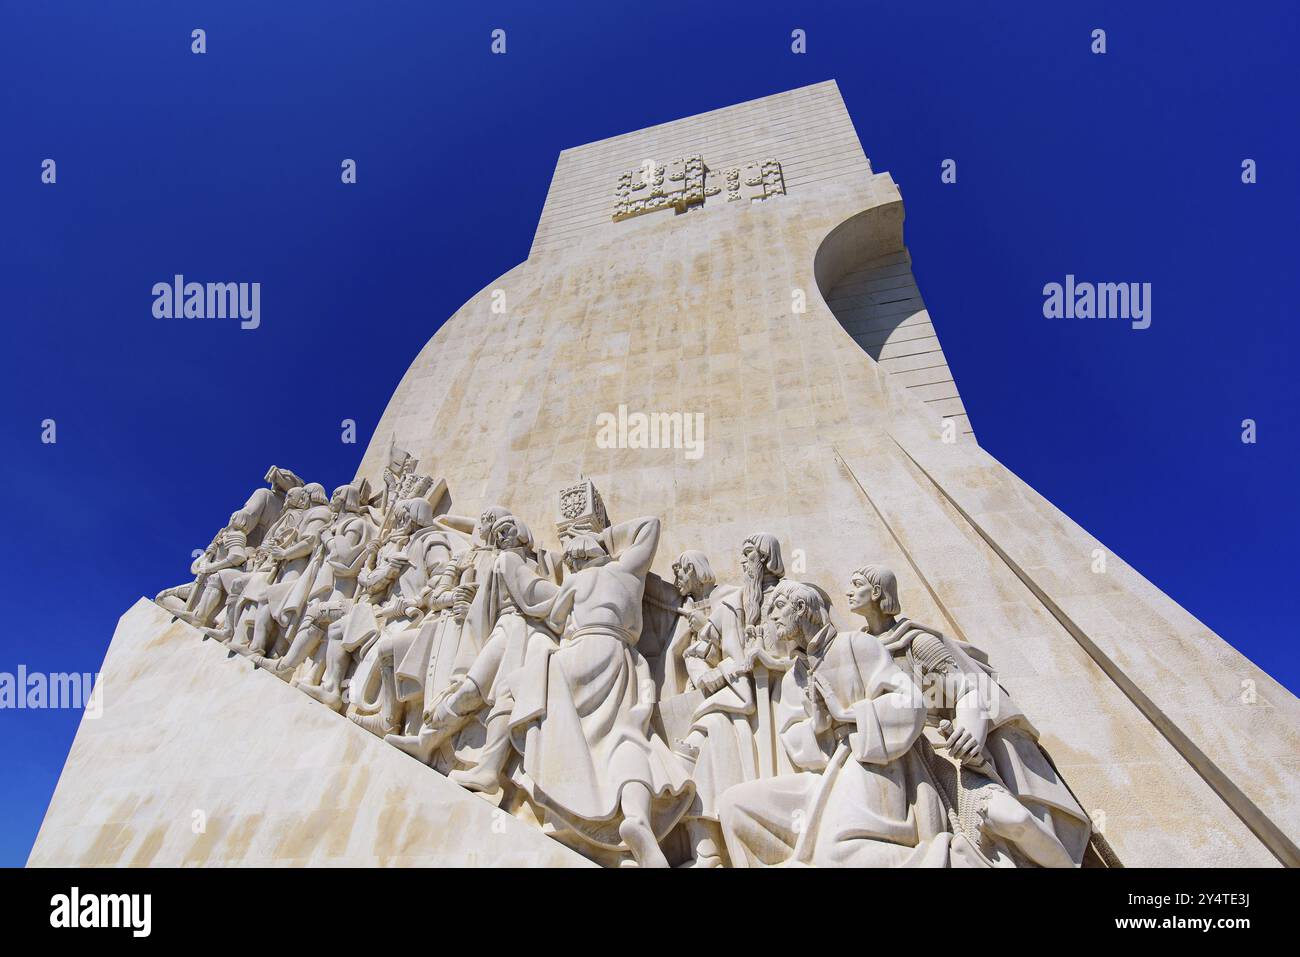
{"x": 807, "y": 439}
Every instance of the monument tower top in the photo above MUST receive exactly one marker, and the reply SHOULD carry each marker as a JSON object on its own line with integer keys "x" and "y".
{"x": 808, "y": 130}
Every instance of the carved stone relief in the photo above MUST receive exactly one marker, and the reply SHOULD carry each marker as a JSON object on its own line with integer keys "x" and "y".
{"x": 687, "y": 182}
{"x": 720, "y": 724}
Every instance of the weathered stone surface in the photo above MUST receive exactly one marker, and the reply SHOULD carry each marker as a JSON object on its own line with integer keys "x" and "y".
{"x": 191, "y": 734}
{"x": 752, "y": 278}
{"x": 808, "y": 438}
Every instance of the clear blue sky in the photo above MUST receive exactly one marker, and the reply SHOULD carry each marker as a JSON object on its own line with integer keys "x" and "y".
{"x": 1122, "y": 167}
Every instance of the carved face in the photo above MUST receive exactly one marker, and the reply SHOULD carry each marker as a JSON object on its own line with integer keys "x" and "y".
{"x": 486, "y": 520}
{"x": 751, "y": 560}
{"x": 507, "y": 535}
{"x": 685, "y": 579}
{"x": 787, "y": 616}
{"x": 402, "y": 518}
{"x": 281, "y": 479}
{"x": 861, "y": 594}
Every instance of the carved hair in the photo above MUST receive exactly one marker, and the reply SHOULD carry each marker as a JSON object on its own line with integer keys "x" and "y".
{"x": 316, "y": 493}
{"x": 699, "y": 565}
{"x": 283, "y": 479}
{"x": 751, "y": 597}
{"x": 882, "y": 578}
{"x": 486, "y": 520}
{"x": 816, "y": 608}
{"x": 418, "y": 511}
{"x": 769, "y": 548}
{"x": 351, "y": 497}
{"x": 522, "y": 532}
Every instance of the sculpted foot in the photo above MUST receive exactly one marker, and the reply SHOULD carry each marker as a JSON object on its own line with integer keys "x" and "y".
{"x": 641, "y": 840}
{"x": 330, "y": 699}
{"x": 273, "y": 666}
{"x": 172, "y": 605}
{"x": 706, "y": 839}
{"x": 476, "y": 779}
{"x": 375, "y": 724}
{"x": 419, "y": 746}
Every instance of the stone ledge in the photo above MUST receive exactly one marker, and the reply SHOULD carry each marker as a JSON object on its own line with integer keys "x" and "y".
{"x": 188, "y": 737}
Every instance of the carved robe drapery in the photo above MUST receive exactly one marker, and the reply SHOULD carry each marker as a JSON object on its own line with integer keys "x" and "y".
{"x": 428, "y": 551}
{"x": 443, "y": 647}
{"x": 863, "y": 797}
{"x": 583, "y": 705}
{"x": 678, "y": 669}
{"x": 285, "y": 597}
{"x": 736, "y": 724}
{"x": 508, "y": 631}
{"x": 262, "y": 510}
{"x": 1012, "y": 742}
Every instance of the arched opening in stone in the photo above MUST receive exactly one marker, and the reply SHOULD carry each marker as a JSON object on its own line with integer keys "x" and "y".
{"x": 864, "y": 274}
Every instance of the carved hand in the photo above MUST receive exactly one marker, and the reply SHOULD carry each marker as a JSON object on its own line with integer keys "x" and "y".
{"x": 964, "y": 747}
{"x": 711, "y": 680}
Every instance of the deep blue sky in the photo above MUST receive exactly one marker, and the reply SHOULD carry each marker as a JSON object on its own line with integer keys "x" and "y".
{"x": 1123, "y": 167}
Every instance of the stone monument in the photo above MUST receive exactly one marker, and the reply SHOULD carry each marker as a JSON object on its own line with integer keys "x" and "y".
{"x": 787, "y": 612}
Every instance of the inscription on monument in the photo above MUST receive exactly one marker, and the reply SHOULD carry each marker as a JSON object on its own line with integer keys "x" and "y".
{"x": 688, "y": 181}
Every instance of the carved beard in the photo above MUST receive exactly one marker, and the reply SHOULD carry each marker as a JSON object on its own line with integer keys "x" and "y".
{"x": 751, "y": 598}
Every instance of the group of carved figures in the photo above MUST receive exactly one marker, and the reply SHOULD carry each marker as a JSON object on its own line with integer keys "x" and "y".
{"x": 639, "y": 721}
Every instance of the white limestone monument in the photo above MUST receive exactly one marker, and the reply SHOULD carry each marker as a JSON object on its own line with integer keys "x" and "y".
{"x": 675, "y": 546}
